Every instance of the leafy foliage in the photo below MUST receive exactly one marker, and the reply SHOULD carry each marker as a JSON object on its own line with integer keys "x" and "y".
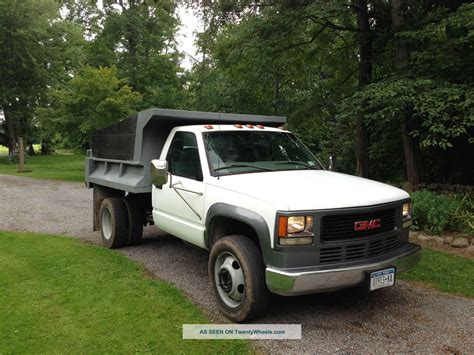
{"x": 46, "y": 43}
{"x": 276, "y": 61}
{"x": 442, "y": 111}
{"x": 38, "y": 48}
{"x": 438, "y": 213}
{"x": 93, "y": 99}
{"x": 138, "y": 37}
{"x": 301, "y": 60}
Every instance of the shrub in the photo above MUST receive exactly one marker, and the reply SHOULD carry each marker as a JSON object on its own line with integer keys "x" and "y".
{"x": 437, "y": 213}
{"x": 465, "y": 215}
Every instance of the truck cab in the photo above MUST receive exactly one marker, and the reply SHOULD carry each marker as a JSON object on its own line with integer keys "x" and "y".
{"x": 270, "y": 214}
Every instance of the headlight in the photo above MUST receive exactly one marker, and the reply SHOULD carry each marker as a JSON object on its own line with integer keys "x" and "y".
{"x": 295, "y": 230}
{"x": 407, "y": 210}
{"x": 296, "y": 224}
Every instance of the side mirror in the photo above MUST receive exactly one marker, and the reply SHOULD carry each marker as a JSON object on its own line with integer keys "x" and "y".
{"x": 159, "y": 172}
{"x": 331, "y": 163}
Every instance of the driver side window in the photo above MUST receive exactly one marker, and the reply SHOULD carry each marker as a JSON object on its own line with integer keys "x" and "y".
{"x": 183, "y": 156}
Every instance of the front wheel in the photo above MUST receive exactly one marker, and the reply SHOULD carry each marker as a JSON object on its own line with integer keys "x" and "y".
{"x": 237, "y": 275}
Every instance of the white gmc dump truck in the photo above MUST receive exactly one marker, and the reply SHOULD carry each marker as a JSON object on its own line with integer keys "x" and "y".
{"x": 271, "y": 216}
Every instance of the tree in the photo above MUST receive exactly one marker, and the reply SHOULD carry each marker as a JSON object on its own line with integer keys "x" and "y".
{"x": 365, "y": 77}
{"x": 386, "y": 86}
{"x": 92, "y": 99}
{"x": 426, "y": 90}
{"x": 36, "y": 49}
{"x": 399, "y": 73}
{"x": 411, "y": 148}
{"x": 138, "y": 37}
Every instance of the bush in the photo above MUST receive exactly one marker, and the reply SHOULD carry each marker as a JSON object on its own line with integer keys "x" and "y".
{"x": 437, "y": 213}
{"x": 465, "y": 215}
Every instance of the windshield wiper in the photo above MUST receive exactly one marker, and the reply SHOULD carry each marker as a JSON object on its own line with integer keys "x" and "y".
{"x": 294, "y": 162}
{"x": 242, "y": 166}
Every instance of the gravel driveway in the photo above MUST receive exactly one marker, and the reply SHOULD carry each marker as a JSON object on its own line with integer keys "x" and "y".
{"x": 405, "y": 318}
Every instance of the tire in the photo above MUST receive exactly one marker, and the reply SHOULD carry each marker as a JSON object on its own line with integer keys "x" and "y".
{"x": 237, "y": 276}
{"x": 135, "y": 218}
{"x": 113, "y": 222}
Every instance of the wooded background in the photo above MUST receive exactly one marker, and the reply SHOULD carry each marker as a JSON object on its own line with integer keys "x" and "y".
{"x": 385, "y": 86}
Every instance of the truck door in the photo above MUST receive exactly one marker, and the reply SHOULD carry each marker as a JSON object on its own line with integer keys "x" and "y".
{"x": 178, "y": 205}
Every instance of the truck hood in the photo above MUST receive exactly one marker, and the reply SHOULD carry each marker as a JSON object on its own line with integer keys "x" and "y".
{"x": 311, "y": 189}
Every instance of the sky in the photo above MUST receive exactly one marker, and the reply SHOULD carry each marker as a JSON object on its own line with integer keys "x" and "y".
{"x": 190, "y": 24}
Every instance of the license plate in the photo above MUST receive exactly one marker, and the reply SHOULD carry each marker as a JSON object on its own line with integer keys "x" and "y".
{"x": 382, "y": 278}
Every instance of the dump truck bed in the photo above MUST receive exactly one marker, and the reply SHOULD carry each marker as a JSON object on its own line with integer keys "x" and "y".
{"x": 120, "y": 154}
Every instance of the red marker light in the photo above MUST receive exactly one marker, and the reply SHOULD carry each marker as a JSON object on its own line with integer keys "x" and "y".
{"x": 260, "y": 126}
{"x": 249, "y": 125}
{"x": 208, "y": 126}
{"x": 238, "y": 126}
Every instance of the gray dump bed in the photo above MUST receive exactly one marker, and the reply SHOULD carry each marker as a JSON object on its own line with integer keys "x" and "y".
{"x": 120, "y": 154}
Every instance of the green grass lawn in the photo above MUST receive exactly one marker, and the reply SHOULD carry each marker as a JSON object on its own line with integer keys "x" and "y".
{"x": 59, "y": 295}
{"x": 445, "y": 272}
{"x": 68, "y": 167}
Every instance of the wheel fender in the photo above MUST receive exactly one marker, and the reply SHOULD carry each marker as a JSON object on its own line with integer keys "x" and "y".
{"x": 243, "y": 215}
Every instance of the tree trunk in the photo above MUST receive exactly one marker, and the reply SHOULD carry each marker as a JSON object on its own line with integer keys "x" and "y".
{"x": 46, "y": 149}
{"x": 365, "y": 77}
{"x": 362, "y": 158}
{"x": 411, "y": 151}
{"x": 21, "y": 155}
{"x": 411, "y": 146}
{"x": 398, "y": 21}
{"x": 31, "y": 149}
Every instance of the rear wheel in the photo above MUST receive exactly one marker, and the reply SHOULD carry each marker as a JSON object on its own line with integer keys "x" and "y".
{"x": 136, "y": 217}
{"x": 113, "y": 222}
{"x": 236, "y": 272}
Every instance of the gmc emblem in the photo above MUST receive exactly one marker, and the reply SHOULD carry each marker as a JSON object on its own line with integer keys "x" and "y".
{"x": 367, "y": 225}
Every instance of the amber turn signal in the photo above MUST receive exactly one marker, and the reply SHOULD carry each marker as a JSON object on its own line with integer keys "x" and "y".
{"x": 283, "y": 226}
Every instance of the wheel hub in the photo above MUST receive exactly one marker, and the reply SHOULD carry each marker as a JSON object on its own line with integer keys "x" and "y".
{"x": 225, "y": 281}
{"x": 106, "y": 224}
{"x": 229, "y": 278}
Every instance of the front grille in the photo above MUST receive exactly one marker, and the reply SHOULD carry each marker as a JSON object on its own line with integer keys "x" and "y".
{"x": 341, "y": 226}
{"x": 358, "y": 251}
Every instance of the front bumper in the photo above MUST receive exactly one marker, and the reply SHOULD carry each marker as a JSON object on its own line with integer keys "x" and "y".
{"x": 298, "y": 281}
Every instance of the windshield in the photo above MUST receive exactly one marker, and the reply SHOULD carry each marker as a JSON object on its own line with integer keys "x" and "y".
{"x": 239, "y": 152}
